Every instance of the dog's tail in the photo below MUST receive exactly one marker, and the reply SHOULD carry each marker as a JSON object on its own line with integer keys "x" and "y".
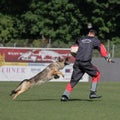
{"x": 22, "y": 87}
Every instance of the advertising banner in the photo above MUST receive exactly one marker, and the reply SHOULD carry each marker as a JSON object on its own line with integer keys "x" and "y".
{"x": 34, "y": 55}
{"x": 17, "y": 64}
{"x": 19, "y": 73}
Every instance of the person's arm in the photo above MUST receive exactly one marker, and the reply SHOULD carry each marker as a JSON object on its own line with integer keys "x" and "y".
{"x": 104, "y": 53}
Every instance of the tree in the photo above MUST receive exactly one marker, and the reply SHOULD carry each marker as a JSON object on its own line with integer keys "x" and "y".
{"x": 59, "y": 20}
{"x": 55, "y": 20}
{"x": 14, "y": 7}
{"x": 103, "y": 15}
{"x": 7, "y": 30}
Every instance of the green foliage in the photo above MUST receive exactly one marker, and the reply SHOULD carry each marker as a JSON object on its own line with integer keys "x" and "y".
{"x": 7, "y": 29}
{"x": 56, "y": 21}
{"x": 116, "y": 40}
{"x": 60, "y": 44}
{"x": 59, "y": 20}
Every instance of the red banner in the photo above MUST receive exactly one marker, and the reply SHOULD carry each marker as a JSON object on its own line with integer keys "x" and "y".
{"x": 33, "y": 55}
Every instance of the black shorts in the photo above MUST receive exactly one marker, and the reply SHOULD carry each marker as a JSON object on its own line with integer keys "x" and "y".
{"x": 80, "y": 67}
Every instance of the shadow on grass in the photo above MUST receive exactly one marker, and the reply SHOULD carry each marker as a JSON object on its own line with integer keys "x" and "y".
{"x": 89, "y": 100}
{"x": 70, "y": 100}
{"x": 28, "y": 100}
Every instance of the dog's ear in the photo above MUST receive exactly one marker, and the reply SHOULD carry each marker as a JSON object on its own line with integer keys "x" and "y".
{"x": 60, "y": 59}
{"x": 67, "y": 62}
{"x": 67, "y": 58}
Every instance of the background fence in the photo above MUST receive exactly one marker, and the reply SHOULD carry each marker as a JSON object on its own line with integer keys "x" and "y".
{"x": 113, "y": 48}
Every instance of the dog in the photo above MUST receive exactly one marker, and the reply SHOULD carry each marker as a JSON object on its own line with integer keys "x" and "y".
{"x": 50, "y": 72}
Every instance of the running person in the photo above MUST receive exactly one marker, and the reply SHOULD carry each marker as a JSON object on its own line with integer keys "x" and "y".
{"x": 83, "y": 64}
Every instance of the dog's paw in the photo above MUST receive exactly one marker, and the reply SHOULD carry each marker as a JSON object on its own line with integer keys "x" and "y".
{"x": 56, "y": 76}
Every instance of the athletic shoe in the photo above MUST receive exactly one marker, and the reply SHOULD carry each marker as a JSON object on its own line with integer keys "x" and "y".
{"x": 64, "y": 98}
{"x": 93, "y": 95}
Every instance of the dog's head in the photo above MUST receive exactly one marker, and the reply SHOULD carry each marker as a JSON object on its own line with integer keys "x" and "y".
{"x": 64, "y": 60}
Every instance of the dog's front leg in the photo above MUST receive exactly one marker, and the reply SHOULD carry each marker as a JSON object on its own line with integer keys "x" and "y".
{"x": 56, "y": 76}
{"x": 59, "y": 73}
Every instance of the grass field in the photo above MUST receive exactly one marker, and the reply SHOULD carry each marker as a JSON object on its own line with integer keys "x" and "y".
{"x": 43, "y": 103}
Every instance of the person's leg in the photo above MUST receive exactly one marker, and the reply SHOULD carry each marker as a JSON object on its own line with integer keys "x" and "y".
{"x": 95, "y": 74}
{"x": 76, "y": 76}
{"x": 95, "y": 80}
{"x": 93, "y": 89}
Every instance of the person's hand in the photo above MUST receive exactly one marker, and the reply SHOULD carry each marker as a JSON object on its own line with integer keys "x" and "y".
{"x": 110, "y": 60}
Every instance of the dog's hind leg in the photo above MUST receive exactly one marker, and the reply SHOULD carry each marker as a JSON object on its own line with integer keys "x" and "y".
{"x": 18, "y": 93}
{"x": 26, "y": 85}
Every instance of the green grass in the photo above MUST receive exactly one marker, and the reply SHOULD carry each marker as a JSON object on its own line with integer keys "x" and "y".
{"x": 43, "y": 103}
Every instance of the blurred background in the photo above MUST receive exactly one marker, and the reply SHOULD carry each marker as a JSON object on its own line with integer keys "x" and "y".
{"x": 57, "y": 23}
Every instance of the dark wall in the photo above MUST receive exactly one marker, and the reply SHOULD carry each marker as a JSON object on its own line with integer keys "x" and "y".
{"x": 109, "y": 71}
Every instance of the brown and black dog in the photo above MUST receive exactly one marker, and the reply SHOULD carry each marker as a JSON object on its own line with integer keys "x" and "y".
{"x": 50, "y": 72}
